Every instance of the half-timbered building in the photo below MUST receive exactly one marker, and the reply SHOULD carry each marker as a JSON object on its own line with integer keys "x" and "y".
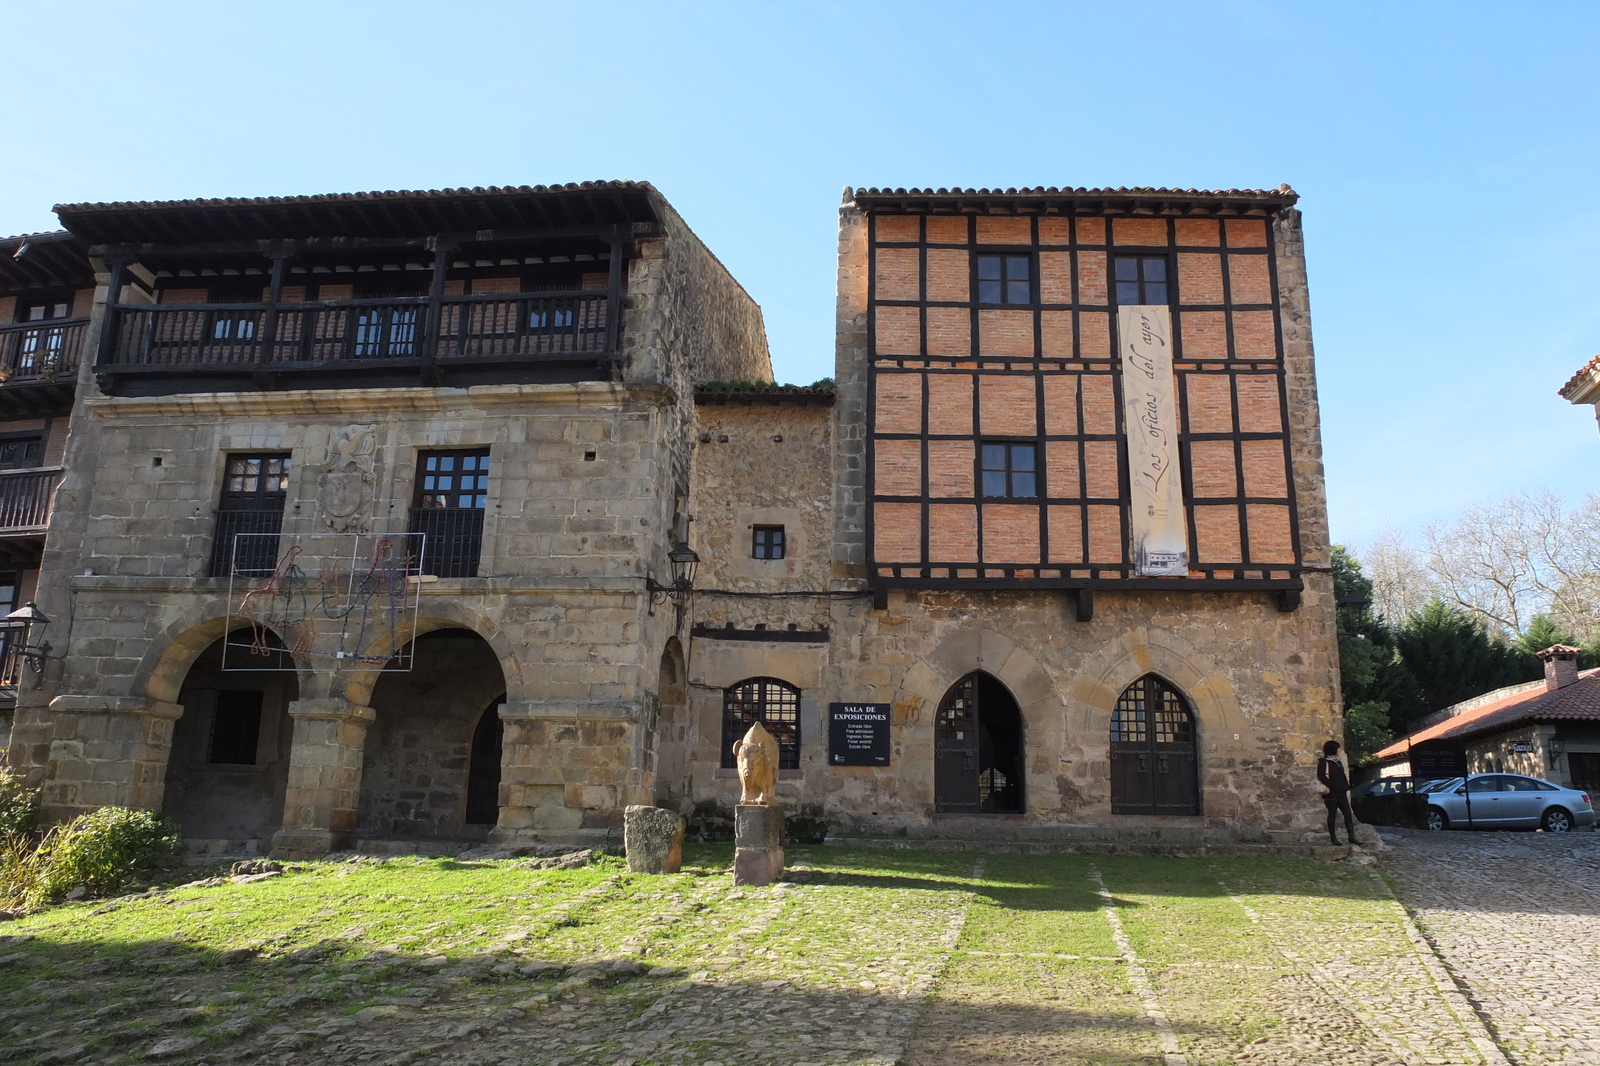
{"x": 433, "y": 517}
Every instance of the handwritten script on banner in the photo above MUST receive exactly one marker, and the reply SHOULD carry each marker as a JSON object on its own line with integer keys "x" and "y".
{"x": 1150, "y": 414}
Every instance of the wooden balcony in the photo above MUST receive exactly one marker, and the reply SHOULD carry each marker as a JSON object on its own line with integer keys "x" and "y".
{"x": 39, "y": 366}
{"x": 453, "y": 340}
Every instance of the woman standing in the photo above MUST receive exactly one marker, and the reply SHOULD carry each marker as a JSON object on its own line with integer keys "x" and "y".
{"x": 1336, "y": 791}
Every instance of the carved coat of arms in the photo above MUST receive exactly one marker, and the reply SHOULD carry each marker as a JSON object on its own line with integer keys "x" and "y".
{"x": 347, "y": 478}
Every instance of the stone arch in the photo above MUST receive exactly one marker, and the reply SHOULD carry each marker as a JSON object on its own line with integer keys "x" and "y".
{"x": 442, "y": 613}
{"x": 173, "y": 651}
{"x": 674, "y": 733}
{"x": 1219, "y": 722}
{"x": 417, "y": 755}
{"x": 1037, "y": 694}
{"x": 1138, "y": 652}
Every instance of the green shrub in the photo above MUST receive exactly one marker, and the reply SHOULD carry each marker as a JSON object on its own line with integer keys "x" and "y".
{"x": 103, "y": 851}
{"x": 19, "y": 806}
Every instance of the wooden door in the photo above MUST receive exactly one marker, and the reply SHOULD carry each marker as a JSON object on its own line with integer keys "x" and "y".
{"x": 1154, "y": 764}
{"x": 955, "y": 762}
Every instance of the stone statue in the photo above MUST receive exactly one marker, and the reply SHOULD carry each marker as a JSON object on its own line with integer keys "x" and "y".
{"x": 348, "y": 478}
{"x": 757, "y": 756}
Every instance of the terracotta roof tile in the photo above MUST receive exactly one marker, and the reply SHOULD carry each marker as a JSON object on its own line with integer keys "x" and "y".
{"x": 1589, "y": 374}
{"x": 1282, "y": 196}
{"x": 1579, "y": 701}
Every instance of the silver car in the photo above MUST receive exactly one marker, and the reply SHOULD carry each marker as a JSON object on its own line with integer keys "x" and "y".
{"x": 1505, "y": 801}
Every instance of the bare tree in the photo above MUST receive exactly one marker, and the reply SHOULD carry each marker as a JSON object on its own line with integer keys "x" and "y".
{"x": 1521, "y": 556}
{"x": 1401, "y": 583}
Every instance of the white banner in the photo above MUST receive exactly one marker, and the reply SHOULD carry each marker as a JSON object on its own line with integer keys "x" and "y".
{"x": 1150, "y": 416}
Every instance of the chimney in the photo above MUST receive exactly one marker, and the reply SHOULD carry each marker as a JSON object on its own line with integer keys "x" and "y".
{"x": 1560, "y": 666}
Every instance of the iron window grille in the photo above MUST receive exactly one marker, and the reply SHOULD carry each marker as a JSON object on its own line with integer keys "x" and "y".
{"x": 1009, "y": 470}
{"x": 773, "y": 703}
{"x": 767, "y": 542}
{"x": 235, "y": 728}
{"x": 1005, "y": 279}
{"x": 254, "y": 489}
{"x": 452, "y": 493}
{"x": 1141, "y": 279}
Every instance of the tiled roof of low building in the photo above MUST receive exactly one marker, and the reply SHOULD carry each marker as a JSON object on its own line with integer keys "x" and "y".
{"x": 390, "y": 213}
{"x": 1583, "y": 386}
{"x": 1052, "y": 197}
{"x": 1532, "y": 702}
{"x": 750, "y": 392}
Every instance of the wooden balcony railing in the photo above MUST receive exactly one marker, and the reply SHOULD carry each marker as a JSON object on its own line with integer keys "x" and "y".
{"x": 41, "y": 351}
{"x": 25, "y": 499}
{"x": 533, "y": 326}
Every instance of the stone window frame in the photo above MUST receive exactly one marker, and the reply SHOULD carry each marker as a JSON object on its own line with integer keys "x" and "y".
{"x": 768, "y": 542}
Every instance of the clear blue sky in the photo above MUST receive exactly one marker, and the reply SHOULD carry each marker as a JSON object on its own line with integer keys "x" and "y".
{"x": 1446, "y": 156}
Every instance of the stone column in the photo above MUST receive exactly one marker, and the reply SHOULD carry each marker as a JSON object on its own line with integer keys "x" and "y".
{"x": 107, "y": 751}
{"x": 565, "y": 770}
{"x": 320, "y": 807}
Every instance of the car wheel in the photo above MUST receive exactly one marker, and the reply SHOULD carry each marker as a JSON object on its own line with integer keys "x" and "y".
{"x": 1557, "y": 820}
{"x": 1437, "y": 819}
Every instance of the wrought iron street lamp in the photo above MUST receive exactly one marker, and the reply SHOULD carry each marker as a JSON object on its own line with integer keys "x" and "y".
{"x": 31, "y": 622}
{"x": 684, "y": 563}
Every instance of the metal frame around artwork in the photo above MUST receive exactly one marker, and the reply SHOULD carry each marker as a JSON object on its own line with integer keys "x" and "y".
{"x": 370, "y": 589}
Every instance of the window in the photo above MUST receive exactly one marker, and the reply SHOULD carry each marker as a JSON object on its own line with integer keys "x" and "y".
{"x": 17, "y": 453}
{"x": 1491, "y": 783}
{"x": 1010, "y": 470}
{"x": 386, "y": 332}
{"x": 10, "y": 638}
{"x": 766, "y": 542}
{"x": 250, "y": 515}
{"x": 41, "y": 349}
{"x": 235, "y": 728}
{"x": 773, "y": 703}
{"x": 43, "y": 310}
{"x": 1141, "y": 279}
{"x": 1005, "y": 279}
{"x": 452, "y": 492}
{"x": 234, "y": 326}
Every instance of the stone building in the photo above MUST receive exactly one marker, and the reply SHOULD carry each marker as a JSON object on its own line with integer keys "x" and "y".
{"x": 361, "y": 500}
{"x": 375, "y": 512}
{"x": 1584, "y": 386}
{"x": 1073, "y": 627}
{"x": 1548, "y": 729}
{"x": 46, "y": 289}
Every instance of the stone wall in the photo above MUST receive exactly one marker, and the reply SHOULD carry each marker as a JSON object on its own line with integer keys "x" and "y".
{"x": 230, "y": 807}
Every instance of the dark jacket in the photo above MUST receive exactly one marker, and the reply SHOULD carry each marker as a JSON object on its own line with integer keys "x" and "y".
{"x": 1330, "y": 772}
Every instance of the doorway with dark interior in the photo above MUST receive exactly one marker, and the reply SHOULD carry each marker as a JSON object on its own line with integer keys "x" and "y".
{"x": 978, "y": 748}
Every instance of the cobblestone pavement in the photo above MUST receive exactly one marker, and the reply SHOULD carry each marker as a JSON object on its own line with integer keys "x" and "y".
{"x": 1515, "y": 917}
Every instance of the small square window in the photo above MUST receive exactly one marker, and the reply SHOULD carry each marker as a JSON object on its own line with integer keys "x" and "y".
{"x": 1005, "y": 279}
{"x": 1141, "y": 279}
{"x": 767, "y": 542}
{"x": 1009, "y": 470}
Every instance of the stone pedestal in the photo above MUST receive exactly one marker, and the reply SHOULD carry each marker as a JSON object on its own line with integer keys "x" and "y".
{"x": 653, "y": 837}
{"x": 758, "y": 844}
{"x": 324, "y": 793}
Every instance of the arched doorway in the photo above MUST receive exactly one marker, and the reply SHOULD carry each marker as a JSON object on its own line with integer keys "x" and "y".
{"x": 228, "y": 768}
{"x": 424, "y": 759}
{"x": 483, "y": 768}
{"x": 674, "y": 740}
{"x": 978, "y": 749}
{"x": 1154, "y": 768}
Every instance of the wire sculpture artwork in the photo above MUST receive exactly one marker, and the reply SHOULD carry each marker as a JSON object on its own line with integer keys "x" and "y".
{"x": 345, "y": 597}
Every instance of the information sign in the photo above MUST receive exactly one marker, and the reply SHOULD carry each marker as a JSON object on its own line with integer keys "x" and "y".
{"x": 858, "y": 734}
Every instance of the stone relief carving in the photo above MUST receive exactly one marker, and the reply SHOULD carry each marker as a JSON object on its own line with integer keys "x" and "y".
{"x": 348, "y": 480}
